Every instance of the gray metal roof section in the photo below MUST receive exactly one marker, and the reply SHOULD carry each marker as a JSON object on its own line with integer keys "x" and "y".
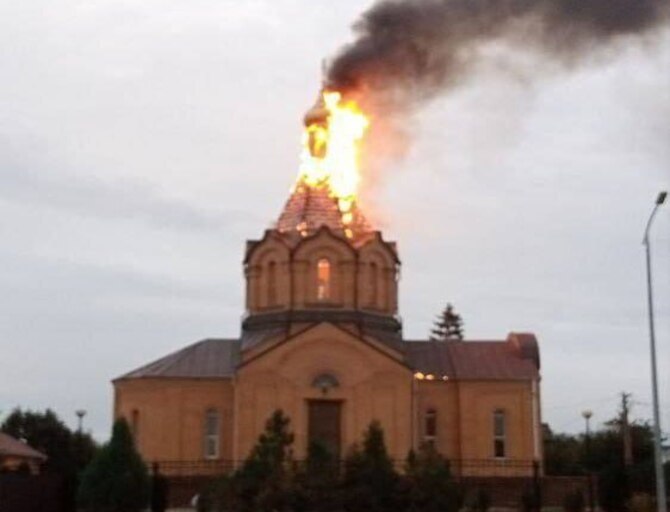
{"x": 517, "y": 358}
{"x": 209, "y": 358}
{"x": 260, "y": 327}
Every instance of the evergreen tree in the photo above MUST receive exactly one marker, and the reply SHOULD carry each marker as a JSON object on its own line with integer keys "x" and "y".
{"x": 266, "y": 479}
{"x": 430, "y": 487}
{"x": 370, "y": 482}
{"x": 318, "y": 481}
{"x": 116, "y": 480}
{"x": 447, "y": 326}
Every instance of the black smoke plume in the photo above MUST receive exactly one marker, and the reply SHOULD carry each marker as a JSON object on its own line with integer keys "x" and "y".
{"x": 408, "y": 51}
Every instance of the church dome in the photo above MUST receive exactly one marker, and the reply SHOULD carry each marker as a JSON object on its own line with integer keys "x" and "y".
{"x": 311, "y": 207}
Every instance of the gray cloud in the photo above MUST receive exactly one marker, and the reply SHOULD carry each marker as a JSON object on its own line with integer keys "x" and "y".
{"x": 123, "y": 200}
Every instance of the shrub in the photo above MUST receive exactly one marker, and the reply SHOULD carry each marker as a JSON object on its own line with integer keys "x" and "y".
{"x": 528, "y": 501}
{"x": 266, "y": 480}
{"x": 428, "y": 483}
{"x": 116, "y": 480}
{"x": 479, "y": 501}
{"x": 641, "y": 502}
{"x": 574, "y": 501}
{"x": 317, "y": 481}
{"x": 370, "y": 483}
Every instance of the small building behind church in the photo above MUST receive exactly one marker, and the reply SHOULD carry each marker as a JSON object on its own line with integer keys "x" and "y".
{"x": 16, "y": 455}
{"x": 322, "y": 340}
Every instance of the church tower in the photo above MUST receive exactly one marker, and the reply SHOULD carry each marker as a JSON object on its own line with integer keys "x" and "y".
{"x": 318, "y": 264}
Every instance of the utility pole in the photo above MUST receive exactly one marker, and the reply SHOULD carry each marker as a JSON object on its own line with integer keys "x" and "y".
{"x": 625, "y": 430}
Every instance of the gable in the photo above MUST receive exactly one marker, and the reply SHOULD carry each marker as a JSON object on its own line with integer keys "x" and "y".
{"x": 324, "y": 348}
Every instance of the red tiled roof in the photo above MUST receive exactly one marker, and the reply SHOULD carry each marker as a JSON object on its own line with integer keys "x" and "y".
{"x": 16, "y": 448}
{"x": 514, "y": 359}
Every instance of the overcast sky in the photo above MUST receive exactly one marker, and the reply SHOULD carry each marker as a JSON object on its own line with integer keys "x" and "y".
{"x": 141, "y": 144}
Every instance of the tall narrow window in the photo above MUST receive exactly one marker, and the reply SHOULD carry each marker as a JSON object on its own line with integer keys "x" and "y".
{"x": 323, "y": 279}
{"x": 374, "y": 283}
{"x": 135, "y": 424}
{"x": 499, "y": 432}
{"x": 212, "y": 428}
{"x": 272, "y": 283}
{"x": 430, "y": 427}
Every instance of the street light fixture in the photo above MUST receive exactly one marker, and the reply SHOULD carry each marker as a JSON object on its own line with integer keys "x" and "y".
{"x": 80, "y": 419}
{"x": 587, "y": 416}
{"x": 658, "y": 461}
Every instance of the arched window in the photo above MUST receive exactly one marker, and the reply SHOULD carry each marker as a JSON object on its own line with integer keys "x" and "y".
{"x": 272, "y": 283}
{"x": 212, "y": 430}
{"x": 430, "y": 427}
{"x": 499, "y": 434}
{"x": 323, "y": 279}
{"x": 374, "y": 284}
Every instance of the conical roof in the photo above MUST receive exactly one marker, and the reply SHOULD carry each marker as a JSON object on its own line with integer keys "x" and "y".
{"x": 311, "y": 207}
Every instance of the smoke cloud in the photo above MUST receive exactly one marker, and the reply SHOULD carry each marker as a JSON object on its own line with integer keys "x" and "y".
{"x": 408, "y": 51}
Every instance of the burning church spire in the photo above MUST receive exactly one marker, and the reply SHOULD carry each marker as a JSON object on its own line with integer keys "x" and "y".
{"x": 326, "y": 189}
{"x": 407, "y": 52}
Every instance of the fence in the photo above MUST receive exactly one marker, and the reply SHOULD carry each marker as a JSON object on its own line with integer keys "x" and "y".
{"x": 510, "y": 484}
{"x": 33, "y": 493}
{"x": 459, "y": 467}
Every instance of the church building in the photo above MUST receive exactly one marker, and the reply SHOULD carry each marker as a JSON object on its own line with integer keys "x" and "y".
{"x": 322, "y": 340}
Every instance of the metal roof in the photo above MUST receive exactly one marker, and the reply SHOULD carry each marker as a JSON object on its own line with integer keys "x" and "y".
{"x": 209, "y": 358}
{"x": 475, "y": 360}
{"x": 513, "y": 359}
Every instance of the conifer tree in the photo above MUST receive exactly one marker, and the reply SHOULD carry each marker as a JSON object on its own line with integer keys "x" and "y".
{"x": 266, "y": 479}
{"x": 370, "y": 482}
{"x": 116, "y": 480}
{"x": 447, "y": 326}
{"x": 318, "y": 481}
{"x": 430, "y": 487}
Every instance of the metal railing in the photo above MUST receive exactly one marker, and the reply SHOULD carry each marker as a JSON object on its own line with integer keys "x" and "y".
{"x": 459, "y": 467}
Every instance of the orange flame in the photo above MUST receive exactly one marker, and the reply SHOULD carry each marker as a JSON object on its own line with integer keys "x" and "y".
{"x": 331, "y": 149}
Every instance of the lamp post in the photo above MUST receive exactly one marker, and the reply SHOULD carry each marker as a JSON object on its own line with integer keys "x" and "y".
{"x": 658, "y": 461}
{"x": 80, "y": 419}
{"x": 587, "y": 456}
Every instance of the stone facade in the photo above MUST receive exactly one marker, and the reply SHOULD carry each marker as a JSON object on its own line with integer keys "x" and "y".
{"x": 322, "y": 341}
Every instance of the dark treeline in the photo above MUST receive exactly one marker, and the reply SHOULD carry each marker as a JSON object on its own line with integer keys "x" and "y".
{"x": 68, "y": 451}
{"x": 603, "y": 454}
{"x": 619, "y": 458}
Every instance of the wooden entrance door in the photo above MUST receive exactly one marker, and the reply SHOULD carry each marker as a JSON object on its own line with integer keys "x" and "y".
{"x": 324, "y": 425}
